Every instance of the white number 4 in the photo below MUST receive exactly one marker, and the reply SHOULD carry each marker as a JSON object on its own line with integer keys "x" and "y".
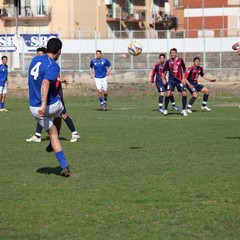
{"x": 35, "y": 71}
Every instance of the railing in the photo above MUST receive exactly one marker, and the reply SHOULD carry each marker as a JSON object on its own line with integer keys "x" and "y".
{"x": 215, "y": 52}
{"x": 126, "y": 14}
{"x": 27, "y": 11}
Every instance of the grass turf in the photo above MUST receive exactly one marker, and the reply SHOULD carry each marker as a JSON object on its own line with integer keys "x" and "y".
{"x": 135, "y": 173}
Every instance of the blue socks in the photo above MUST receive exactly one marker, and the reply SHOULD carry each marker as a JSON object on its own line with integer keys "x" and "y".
{"x": 61, "y": 159}
{"x": 70, "y": 124}
{"x": 2, "y": 105}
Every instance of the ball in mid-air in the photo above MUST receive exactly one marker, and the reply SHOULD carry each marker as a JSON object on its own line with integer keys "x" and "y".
{"x": 134, "y": 48}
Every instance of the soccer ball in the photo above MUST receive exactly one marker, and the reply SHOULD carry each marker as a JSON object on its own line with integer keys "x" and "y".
{"x": 134, "y": 48}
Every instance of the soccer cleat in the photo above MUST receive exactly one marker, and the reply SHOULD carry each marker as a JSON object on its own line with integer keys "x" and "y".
{"x": 184, "y": 113}
{"x": 165, "y": 112}
{"x": 34, "y": 138}
{"x": 189, "y": 110}
{"x": 103, "y": 107}
{"x": 4, "y": 110}
{"x": 65, "y": 172}
{"x": 176, "y": 108}
{"x": 49, "y": 148}
{"x": 75, "y": 137}
{"x": 206, "y": 109}
{"x": 161, "y": 110}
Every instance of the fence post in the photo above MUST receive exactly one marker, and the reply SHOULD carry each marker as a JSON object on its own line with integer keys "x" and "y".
{"x": 79, "y": 55}
{"x": 113, "y": 60}
{"x": 23, "y": 55}
{"x": 221, "y": 36}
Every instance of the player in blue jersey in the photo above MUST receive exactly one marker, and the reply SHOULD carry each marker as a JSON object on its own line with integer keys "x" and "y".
{"x": 99, "y": 71}
{"x": 162, "y": 88}
{"x": 3, "y": 83}
{"x": 45, "y": 105}
{"x": 194, "y": 87}
{"x": 176, "y": 67}
{"x": 37, "y": 136}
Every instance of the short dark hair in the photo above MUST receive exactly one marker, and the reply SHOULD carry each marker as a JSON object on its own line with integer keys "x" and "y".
{"x": 162, "y": 55}
{"x": 173, "y": 49}
{"x": 42, "y": 49}
{"x": 196, "y": 58}
{"x": 54, "y": 45}
{"x": 98, "y": 51}
{"x": 4, "y": 57}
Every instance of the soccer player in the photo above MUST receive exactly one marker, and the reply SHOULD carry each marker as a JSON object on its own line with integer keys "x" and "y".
{"x": 176, "y": 67}
{"x": 75, "y": 135}
{"x": 99, "y": 71}
{"x": 162, "y": 88}
{"x": 3, "y": 83}
{"x": 236, "y": 47}
{"x": 43, "y": 100}
{"x": 194, "y": 87}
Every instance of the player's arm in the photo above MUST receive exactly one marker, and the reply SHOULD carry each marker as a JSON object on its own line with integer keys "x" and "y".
{"x": 164, "y": 72}
{"x": 63, "y": 80}
{"x": 186, "y": 75}
{"x": 235, "y": 46}
{"x": 44, "y": 95}
{"x": 91, "y": 72}
{"x": 108, "y": 70}
{"x": 7, "y": 83}
{"x": 209, "y": 79}
{"x": 184, "y": 79}
{"x": 152, "y": 76}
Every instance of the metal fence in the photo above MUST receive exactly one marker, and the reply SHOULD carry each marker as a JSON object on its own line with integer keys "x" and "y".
{"x": 212, "y": 46}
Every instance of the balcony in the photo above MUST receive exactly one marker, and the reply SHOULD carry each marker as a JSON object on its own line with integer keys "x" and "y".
{"x": 27, "y": 13}
{"x": 125, "y": 15}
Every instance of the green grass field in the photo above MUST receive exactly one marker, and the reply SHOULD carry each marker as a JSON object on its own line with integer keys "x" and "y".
{"x": 135, "y": 173}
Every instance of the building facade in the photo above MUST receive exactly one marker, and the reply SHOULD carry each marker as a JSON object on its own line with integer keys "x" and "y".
{"x": 70, "y": 16}
{"x": 217, "y": 18}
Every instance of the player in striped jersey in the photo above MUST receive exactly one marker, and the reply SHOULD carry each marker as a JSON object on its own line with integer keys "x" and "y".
{"x": 194, "y": 87}
{"x": 162, "y": 88}
{"x": 176, "y": 67}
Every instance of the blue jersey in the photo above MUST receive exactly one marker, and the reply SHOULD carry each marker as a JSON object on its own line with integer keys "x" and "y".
{"x": 3, "y": 74}
{"x": 100, "y": 67}
{"x": 42, "y": 67}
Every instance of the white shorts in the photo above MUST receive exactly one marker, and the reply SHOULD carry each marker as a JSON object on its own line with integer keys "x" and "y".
{"x": 101, "y": 83}
{"x": 52, "y": 111}
{"x": 3, "y": 90}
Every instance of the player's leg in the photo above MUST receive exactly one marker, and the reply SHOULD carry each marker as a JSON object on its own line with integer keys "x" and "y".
{"x": 194, "y": 94}
{"x": 165, "y": 112}
{"x": 37, "y": 136}
{"x": 205, "y": 92}
{"x": 161, "y": 90}
{"x": 174, "y": 106}
{"x": 47, "y": 123}
{"x": 69, "y": 122}
{"x": 105, "y": 92}
{"x": 160, "y": 102}
{"x": 100, "y": 92}
{"x": 182, "y": 88}
{"x": 71, "y": 126}
{"x": 3, "y": 99}
{"x": 59, "y": 153}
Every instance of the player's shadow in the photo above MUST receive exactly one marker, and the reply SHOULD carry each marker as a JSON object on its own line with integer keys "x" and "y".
{"x": 49, "y": 170}
{"x": 60, "y": 138}
{"x": 233, "y": 138}
{"x": 100, "y": 110}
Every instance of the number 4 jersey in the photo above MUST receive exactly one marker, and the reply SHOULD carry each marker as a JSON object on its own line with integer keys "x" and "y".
{"x": 42, "y": 67}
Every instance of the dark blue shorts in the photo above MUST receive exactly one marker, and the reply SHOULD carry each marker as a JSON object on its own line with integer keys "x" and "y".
{"x": 196, "y": 88}
{"x": 161, "y": 87}
{"x": 176, "y": 83}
